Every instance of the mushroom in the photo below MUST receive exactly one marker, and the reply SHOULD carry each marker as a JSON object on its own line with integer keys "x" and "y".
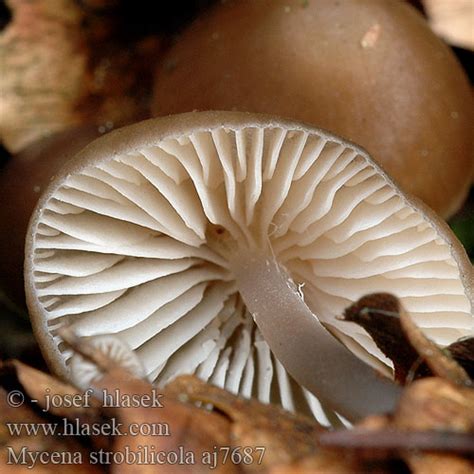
{"x": 59, "y": 98}
{"x": 370, "y": 71}
{"x": 22, "y": 180}
{"x": 84, "y": 372}
{"x": 227, "y": 245}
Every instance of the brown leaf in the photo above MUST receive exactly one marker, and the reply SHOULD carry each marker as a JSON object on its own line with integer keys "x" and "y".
{"x": 378, "y": 314}
{"x": 438, "y": 409}
{"x": 290, "y": 441}
{"x": 64, "y": 65}
{"x": 399, "y": 338}
{"x": 440, "y": 363}
{"x": 286, "y": 437}
{"x": 435, "y": 404}
{"x": 186, "y": 431}
{"x": 266, "y": 434}
{"x": 436, "y": 463}
{"x": 434, "y": 417}
{"x": 40, "y": 387}
{"x": 343, "y": 460}
{"x": 463, "y": 352}
{"x": 191, "y": 431}
{"x": 40, "y": 80}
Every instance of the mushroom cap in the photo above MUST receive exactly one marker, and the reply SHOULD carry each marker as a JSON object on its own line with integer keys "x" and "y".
{"x": 118, "y": 245}
{"x": 22, "y": 180}
{"x": 370, "y": 71}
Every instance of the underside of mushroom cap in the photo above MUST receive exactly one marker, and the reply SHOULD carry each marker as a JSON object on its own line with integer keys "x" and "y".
{"x": 118, "y": 245}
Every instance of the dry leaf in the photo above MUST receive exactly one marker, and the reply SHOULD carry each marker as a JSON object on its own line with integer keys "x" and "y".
{"x": 188, "y": 431}
{"x": 463, "y": 352}
{"x": 378, "y": 314}
{"x": 435, "y": 404}
{"x": 64, "y": 65}
{"x": 399, "y": 338}
{"x": 440, "y": 363}
{"x": 286, "y": 437}
{"x": 38, "y": 385}
{"x": 435, "y": 463}
{"x": 43, "y": 59}
{"x": 432, "y": 429}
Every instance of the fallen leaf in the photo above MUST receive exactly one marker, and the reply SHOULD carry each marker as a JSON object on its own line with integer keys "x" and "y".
{"x": 285, "y": 436}
{"x": 436, "y": 463}
{"x": 38, "y": 385}
{"x": 378, "y": 314}
{"x": 401, "y": 340}
{"x": 436, "y": 404}
{"x": 65, "y": 65}
{"x": 184, "y": 431}
{"x": 463, "y": 352}
{"x": 440, "y": 363}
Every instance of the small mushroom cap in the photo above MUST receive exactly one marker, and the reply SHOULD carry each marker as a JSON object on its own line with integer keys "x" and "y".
{"x": 370, "y": 71}
{"x": 119, "y": 245}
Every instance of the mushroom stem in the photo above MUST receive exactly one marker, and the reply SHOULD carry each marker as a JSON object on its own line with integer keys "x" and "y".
{"x": 330, "y": 371}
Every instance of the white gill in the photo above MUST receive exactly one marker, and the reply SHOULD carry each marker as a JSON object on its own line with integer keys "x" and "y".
{"x": 120, "y": 249}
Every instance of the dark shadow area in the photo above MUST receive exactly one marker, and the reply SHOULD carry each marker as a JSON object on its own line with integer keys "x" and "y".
{"x": 5, "y": 15}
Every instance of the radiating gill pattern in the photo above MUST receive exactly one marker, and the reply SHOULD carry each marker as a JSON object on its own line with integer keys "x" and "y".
{"x": 120, "y": 248}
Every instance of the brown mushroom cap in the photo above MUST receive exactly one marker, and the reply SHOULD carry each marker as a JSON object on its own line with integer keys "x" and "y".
{"x": 168, "y": 232}
{"x": 22, "y": 180}
{"x": 368, "y": 70}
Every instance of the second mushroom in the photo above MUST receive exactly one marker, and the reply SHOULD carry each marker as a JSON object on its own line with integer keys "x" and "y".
{"x": 227, "y": 245}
